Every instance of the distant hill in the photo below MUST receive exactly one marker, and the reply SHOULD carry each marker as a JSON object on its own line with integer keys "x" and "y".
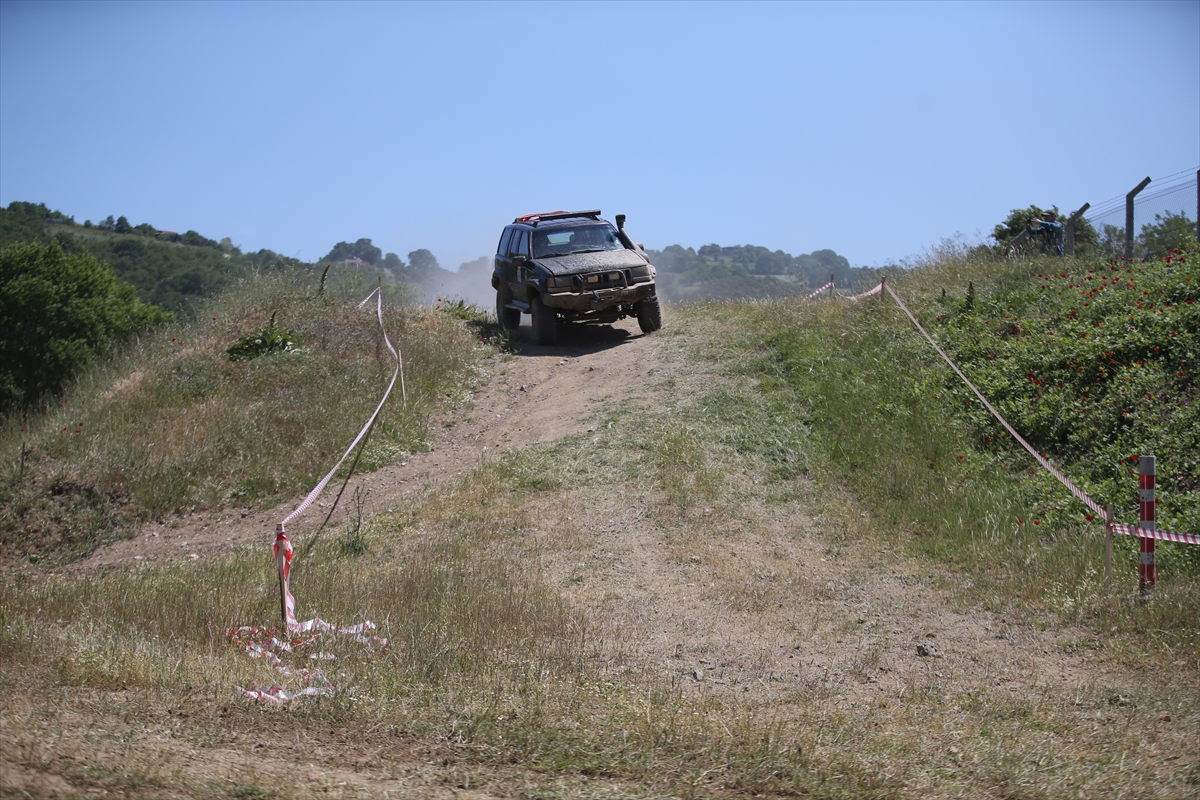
{"x": 168, "y": 269}
{"x": 172, "y": 270}
{"x": 716, "y": 272}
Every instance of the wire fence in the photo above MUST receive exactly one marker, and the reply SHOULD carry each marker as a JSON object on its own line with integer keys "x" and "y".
{"x": 1172, "y": 194}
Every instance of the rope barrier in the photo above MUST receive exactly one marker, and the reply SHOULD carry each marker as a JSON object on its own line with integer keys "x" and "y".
{"x": 1127, "y": 530}
{"x": 260, "y": 642}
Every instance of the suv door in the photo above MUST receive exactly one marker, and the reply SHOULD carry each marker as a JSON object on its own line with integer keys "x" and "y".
{"x": 515, "y": 272}
{"x": 501, "y": 262}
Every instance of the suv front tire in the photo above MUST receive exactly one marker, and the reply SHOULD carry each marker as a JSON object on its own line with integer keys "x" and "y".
{"x": 649, "y": 314}
{"x": 545, "y": 322}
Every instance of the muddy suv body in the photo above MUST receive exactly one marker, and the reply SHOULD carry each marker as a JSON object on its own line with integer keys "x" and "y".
{"x": 572, "y": 267}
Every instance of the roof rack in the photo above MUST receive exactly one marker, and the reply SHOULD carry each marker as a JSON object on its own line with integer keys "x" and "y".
{"x": 543, "y": 217}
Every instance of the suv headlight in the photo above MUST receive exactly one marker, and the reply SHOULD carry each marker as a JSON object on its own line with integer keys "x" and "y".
{"x": 559, "y": 282}
{"x": 638, "y": 274}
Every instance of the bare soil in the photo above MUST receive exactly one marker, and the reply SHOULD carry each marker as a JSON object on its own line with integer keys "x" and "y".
{"x": 539, "y": 395}
{"x": 770, "y": 604}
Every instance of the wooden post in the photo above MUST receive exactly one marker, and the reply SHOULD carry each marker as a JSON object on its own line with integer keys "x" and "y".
{"x": 1108, "y": 536}
{"x": 283, "y": 590}
{"x": 1071, "y": 220}
{"x": 1129, "y": 216}
{"x": 283, "y": 561}
{"x": 831, "y": 287}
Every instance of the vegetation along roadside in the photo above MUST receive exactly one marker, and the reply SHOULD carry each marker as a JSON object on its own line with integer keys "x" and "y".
{"x": 767, "y": 571}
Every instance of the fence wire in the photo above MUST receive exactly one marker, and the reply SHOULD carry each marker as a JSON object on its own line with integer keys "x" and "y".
{"x": 1172, "y": 194}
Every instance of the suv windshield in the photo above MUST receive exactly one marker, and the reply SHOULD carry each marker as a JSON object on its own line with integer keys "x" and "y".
{"x": 582, "y": 239}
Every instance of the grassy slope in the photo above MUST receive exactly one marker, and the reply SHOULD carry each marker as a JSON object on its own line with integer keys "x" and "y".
{"x": 1092, "y": 377}
{"x": 171, "y": 425}
{"x": 489, "y": 660}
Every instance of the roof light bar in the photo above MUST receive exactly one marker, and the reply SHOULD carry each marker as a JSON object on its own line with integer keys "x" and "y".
{"x": 542, "y": 217}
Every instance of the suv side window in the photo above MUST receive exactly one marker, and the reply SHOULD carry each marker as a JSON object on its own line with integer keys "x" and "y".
{"x": 502, "y": 249}
{"x": 520, "y": 244}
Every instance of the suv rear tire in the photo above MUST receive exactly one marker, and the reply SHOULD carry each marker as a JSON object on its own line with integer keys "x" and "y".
{"x": 508, "y": 317}
{"x": 649, "y": 314}
{"x": 545, "y": 322}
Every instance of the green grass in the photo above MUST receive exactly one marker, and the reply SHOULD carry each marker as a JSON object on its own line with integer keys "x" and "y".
{"x": 173, "y": 425}
{"x": 801, "y": 410}
{"x": 894, "y": 425}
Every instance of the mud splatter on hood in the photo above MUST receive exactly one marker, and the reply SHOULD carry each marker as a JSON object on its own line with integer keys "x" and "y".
{"x": 592, "y": 262}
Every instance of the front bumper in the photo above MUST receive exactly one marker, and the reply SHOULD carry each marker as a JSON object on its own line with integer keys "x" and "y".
{"x": 598, "y": 300}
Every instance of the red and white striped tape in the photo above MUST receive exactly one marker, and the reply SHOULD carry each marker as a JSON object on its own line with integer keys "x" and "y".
{"x": 320, "y": 487}
{"x": 818, "y": 291}
{"x": 258, "y": 641}
{"x": 1147, "y": 533}
{"x": 867, "y": 293}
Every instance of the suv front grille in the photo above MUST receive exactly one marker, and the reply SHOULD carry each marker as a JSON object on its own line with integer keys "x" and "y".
{"x": 602, "y": 280}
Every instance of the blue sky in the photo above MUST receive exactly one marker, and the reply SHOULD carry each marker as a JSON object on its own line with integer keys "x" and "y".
{"x": 874, "y": 129}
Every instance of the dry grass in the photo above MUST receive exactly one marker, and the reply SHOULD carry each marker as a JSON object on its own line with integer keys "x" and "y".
{"x": 173, "y": 426}
{"x": 686, "y": 602}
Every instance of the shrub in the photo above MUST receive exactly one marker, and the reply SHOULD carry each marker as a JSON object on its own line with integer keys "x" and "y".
{"x": 56, "y": 312}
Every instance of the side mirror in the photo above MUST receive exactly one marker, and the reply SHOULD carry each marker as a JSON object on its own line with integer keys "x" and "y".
{"x": 520, "y": 261}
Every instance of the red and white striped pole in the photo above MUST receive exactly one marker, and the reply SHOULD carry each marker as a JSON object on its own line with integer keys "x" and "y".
{"x": 1146, "y": 472}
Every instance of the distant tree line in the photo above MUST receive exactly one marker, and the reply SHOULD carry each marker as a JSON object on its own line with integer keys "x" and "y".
{"x": 720, "y": 272}
{"x": 166, "y": 269}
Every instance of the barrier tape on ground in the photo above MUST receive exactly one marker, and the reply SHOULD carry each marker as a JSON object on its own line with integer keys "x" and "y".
{"x": 1127, "y": 530}
{"x": 818, "y": 291}
{"x": 260, "y": 642}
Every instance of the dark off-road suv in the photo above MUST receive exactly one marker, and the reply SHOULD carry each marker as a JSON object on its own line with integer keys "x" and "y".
{"x": 572, "y": 267}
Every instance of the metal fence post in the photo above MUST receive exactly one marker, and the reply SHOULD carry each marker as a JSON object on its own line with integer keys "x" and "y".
{"x": 1146, "y": 474}
{"x": 1108, "y": 539}
{"x": 1071, "y": 220}
{"x": 1129, "y": 216}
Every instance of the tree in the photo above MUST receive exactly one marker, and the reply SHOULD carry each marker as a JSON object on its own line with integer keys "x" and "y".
{"x": 56, "y": 312}
{"x": 1087, "y": 240}
{"x": 1172, "y": 232}
{"x": 394, "y": 263}
{"x": 122, "y": 226}
{"x": 23, "y": 222}
{"x": 196, "y": 240}
{"x": 421, "y": 265}
{"x": 817, "y": 266}
{"x": 362, "y": 250}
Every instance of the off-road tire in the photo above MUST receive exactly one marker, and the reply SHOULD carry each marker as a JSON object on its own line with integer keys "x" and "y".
{"x": 508, "y": 317}
{"x": 649, "y": 314}
{"x": 545, "y": 322}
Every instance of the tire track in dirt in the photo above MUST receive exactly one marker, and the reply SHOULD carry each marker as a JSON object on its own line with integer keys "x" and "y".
{"x": 538, "y": 395}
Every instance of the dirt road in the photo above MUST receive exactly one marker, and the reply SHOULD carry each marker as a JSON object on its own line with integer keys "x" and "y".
{"x": 540, "y": 394}
{"x": 795, "y": 605}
